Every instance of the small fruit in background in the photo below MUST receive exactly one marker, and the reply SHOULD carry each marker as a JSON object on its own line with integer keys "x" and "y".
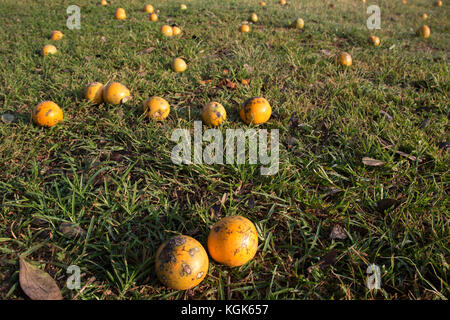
{"x": 244, "y": 28}
{"x": 176, "y": 31}
{"x": 121, "y": 14}
{"x": 424, "y": 16}
{"x": 256, "y": 111}
{"x": 47, "y": 114}
{"x": 116, "y": 93}
{"x": 438, "y": 3}
{"x": 183, "y": 7}
{"x": 283, "y": 2}
{"x": 156, "y": 108}
{"x": 213, "y": 114}
{"x": 103, "y": 2}
{"x": 56, "y": 35}
{"x": 233, "y": 241}
{"x": 181, "y": 263}
{"x": 374, "y": 40}
{"x": 404, "y": 1}
{"x": 94, "y": 92}
{"x": 424, "y": 31}
{"x": 149, "y": 8}
{"x": 298, "y": 23}
{"x": 49, "y": 49}
{"x": 254, "y": 17}
{"x": 153, "y": 17}
{"x": 179, "y": 65}
{"x": 363, "y": 1}
{"x": 262, "y": 3}
{"x": 345, "y": 59}
{"x": 167, "y": 30}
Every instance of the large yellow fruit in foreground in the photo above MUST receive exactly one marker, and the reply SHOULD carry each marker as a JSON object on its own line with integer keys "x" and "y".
{"x": 298, "y": 23}
{"x": 181, "y": 263}
{"x": 424, "y": 31}
{"x": 47, "y": 114}
{"x": 48, "y": 49}
{"x": 116, "y": 93}
{"x": 345, "y": 59}
{"x": 233, "y": 241}
{"x": 244, "y": 28}
{"x": 214, "y": 114}
{"x": 121, "y": 14}
{"x": 56, "y": 35}
{"x": 156, "y": 108}
{"x": 153, "y": 17}
{"x": 167, "y": 30}
{"x": 374, "y": 40}
{"x": 149, "y": 8}
{"x": 179, "y": 65}
{"x": 256, "y": 111}
{"x": 176, "y": 31}
{"x": 94, "y": 92}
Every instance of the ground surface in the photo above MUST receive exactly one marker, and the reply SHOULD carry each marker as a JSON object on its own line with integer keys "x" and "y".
{"x": 108, "y": 169}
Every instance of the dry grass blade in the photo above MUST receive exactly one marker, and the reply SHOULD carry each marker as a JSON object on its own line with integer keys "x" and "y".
{"x": 372, "y": 162}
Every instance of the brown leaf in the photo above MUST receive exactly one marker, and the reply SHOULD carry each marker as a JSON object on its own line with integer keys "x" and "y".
{"x": 385, "y": 204}
{"x": 148, "y": 50}
{"x": 328, "y": 259}
{"x": 71, "y": 230}
{"x": 37, "y": 284}
{"x": 372, "y": 162}
{"x": 338, "y": 232}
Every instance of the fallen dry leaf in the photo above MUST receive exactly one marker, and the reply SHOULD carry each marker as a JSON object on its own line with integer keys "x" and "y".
{"x": 37, "y": 284}
{"x": 338, "y": 232}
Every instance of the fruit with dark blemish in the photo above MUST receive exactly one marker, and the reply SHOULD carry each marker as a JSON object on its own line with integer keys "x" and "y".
{"x": 256, "y": 110}
{"x": 233, "y": 241}
{"x": 47, "y": 114}
{"x": 156, "y": 108}
{"x": 214, "y": 114}
{"x": 181, "y": 263}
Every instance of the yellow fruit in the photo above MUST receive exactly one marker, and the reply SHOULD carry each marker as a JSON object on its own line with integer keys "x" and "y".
{"x": 156, "y": 108}
{"x": 48, "y": 49}
{"x": 214, "y": 114}
{"x": 438, "y": 3}
{"x": 103, "y": 2}
{"x": 183, "y": 7}
{"x": 47, "y": 114}
{"x": 256, "y": 110}
{"x": 254, "y": 17}
{"x": 56, "y": 35}
{"x": 121, "y": 14}
{"x": 298, "y": 23}
{"x": 167, "y": 30}
{"x": 94, "y": 92}
{"x": 282, "y": 2}
{"x": 153, "y": 17}
{"x": 149, "y": 8}
{"x": 244, "y": 28}
{"x": 179, "y": 65}
{"x": 374, "y": 40}
{"x": 233, "y": 241}
{"x": 404, "y": 1}
{"x": 363, "y": 1}
{"x": 424, "y": 16}
{"x": 345, "y": 59}
{"x": 424, "y": 31}
{"x": 116, "y": 93}
{"x": 176, "y": 31}
{"x": 262, "y": 3}
{"x": 181, "y": 263}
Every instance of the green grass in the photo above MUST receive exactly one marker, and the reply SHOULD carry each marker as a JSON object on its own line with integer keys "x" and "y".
{"x": 108, "y": 169}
